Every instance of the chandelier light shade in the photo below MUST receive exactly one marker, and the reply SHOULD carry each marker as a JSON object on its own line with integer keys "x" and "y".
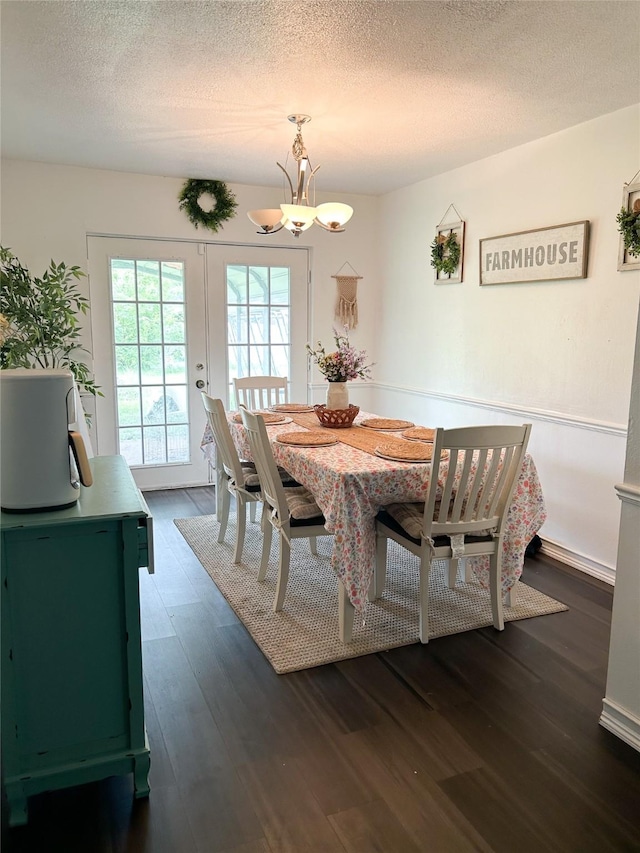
{"x": 300, "y": 214}
{"x": 266, "y": 219}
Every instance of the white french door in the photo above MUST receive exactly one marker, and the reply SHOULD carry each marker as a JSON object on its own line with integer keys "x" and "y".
{"x": 258, "y": 317}
{"x": 170, "y": 319}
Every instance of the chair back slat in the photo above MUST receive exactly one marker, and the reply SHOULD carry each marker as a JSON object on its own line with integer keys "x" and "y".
{"x": 447, "y": 491}
{"x": 224, "y": 443}
{"x": 465, "y": 485}
{"x": 262, "y": 455}
{"x": 261, "y": 392}
{"x": 475, "y": 490}
{"x": 483, "y": 465}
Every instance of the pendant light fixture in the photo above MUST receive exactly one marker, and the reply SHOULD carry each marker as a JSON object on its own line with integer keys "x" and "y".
{"x": 300, "y": 214}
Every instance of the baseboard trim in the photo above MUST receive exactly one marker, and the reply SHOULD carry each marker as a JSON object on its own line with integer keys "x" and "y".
{"x": 548, "y": 415}
{"x": 579, "y": 561}
{"x": 621, "y": 722}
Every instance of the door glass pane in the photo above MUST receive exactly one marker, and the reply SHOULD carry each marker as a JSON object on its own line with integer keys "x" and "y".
{"x": 259, "y": 325}
{"x": 151, "y": 365}
{"x": 148, "y": 275}
{"x": 130, "y": 444}
{"x": 172, "y": 281}
{"x": 259, "y": 361}
{"x": 237, "y": 328}
{"x": 236, "y": 284}
{"x": 151, "y": 360}
{"x": 280, "y": 285}
{"x": 258, "y": 285}
{"x": 123, "y": 279}
{"x": 150, "y": 323}
{"x": 280, "y": 325}
{"x": 125, "y": 323}
{"x": 173, "y": 321}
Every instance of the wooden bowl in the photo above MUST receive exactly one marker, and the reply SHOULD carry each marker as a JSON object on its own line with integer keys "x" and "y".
{"x": 336, "y": 418}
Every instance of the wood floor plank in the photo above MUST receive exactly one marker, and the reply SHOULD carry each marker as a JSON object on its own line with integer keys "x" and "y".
{"x": 421, "y": 809}
{"x": 290, "y": 815}
{"x": 372, "y": 828}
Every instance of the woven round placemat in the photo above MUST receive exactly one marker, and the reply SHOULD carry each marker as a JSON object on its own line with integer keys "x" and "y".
{"x": 405, "y": 451}
{"x": 386, "y": 423}
{"x": 310, "y": 438}
{"x": 292, "y": 408}
{"x": 269, "y": 418}
{"x": 419, "y": 433}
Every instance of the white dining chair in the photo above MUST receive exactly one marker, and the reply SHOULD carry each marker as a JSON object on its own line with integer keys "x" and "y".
{"x": 292, "y": 512}
{"x": 466, "y": 518}
{"x": 260, "y": 392}
{"x": 239, "y": 478}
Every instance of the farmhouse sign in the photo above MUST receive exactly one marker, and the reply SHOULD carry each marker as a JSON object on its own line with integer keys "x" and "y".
{"x": 543, "y": 254}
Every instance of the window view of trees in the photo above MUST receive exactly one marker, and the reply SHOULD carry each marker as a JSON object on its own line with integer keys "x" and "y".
{"x": 149, "y": 327}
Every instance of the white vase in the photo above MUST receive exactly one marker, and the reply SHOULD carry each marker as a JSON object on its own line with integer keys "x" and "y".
{"x": 337, "y": 395}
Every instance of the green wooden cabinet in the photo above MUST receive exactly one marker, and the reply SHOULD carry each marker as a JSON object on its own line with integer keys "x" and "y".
{"x": 72, "y": 705}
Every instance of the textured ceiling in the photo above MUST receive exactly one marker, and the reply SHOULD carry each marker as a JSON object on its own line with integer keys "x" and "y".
{"x": 398, "y": 91}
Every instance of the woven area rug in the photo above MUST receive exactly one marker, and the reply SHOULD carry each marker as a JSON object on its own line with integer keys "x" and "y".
{"x": 305, "y": 632}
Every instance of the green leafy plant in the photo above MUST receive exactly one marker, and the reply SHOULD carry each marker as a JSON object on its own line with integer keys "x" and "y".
{"x": 629, "y": 226}
{"x": 445, "y": 253}
{"x": 39, "y": 319}
{"x": 225, "y": 207}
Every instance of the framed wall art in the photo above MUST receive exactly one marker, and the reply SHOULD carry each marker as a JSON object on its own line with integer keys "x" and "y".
{"x": 447, "y": 252}
{"x": 543, "y": 254}
{"x": 629, "y": 227}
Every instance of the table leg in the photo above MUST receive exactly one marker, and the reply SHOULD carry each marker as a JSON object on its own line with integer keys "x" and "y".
{"x": 346, "y": 613}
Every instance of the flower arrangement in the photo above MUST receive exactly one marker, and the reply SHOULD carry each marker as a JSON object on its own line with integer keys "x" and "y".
{"x": 344, "y": 363}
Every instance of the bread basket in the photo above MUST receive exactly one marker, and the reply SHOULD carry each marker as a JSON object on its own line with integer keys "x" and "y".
{"x": 336, "y": 418}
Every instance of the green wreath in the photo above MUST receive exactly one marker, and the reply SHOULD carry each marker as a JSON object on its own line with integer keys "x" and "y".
{"x": 445, "y": 253}
{"x": 224, "y": 209}
{"x": 629, "y": 226}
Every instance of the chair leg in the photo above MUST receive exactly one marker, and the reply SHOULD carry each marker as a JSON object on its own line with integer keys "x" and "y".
{"x": 223, "y": 499}
{"x": 496, "y": 589}
{"x": 241, "y": 524}
{"x": 346, "y": 613}
{"x": 266, "y": 550}
{"x": 468, "y": 572}
{"x": 376, "y": 587}
{"x": 453, "y": 572}
{"x": 425, "y": 569}
{"x": 252, "y": 512}
{"x": 313, "y": 545}
{"x": 283, "y": 573}
{"x": 510, "y": 596}
{"x": 220, "y": 487}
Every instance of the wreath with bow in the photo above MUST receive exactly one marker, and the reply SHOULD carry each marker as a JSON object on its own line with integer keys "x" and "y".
{"x": 225, "y": 206}
{"x": 445, "y": 253}
{"x": 629, "y": 226}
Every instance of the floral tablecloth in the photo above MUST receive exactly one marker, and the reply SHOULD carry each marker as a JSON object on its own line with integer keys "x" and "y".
{"x": 350, "y": 486}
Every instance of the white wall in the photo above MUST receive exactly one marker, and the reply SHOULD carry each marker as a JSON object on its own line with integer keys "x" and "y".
{"x": 48, "y": 210}
{"x": 556, "y": 353}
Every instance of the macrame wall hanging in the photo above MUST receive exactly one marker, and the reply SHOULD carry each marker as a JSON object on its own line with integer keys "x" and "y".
{"x": 347, "y": 301}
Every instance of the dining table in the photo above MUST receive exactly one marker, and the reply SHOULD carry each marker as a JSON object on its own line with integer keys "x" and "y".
{"x": 351, "y": 484}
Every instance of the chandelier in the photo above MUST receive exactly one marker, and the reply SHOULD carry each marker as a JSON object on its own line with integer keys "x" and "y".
{"x": 300, "y": 213}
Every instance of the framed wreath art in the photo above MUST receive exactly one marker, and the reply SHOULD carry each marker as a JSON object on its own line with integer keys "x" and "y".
{"x": 447, "y": 252}
{"x": 225, "y": 203}
{"x": 629, "y": 227}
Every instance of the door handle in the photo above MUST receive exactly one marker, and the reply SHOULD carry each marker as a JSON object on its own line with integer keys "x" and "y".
{"x": 200, "y": 383}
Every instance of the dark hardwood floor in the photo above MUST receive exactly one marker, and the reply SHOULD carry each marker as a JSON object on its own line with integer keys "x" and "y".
{"x": 482, "y": 741}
